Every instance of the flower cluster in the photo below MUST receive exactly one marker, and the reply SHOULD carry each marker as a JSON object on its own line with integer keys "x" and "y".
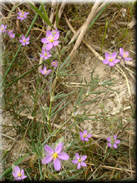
{"x": 50, "y": 41}
{"x": 56, "y": 154}
{"x": 111, "y": 59}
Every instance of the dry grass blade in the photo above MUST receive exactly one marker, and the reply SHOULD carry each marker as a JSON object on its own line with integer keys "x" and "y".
{"x": 78, "y": 32}
{"x": 84, "y": 29}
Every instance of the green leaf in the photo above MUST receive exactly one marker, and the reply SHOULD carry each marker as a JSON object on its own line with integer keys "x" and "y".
{"x": 43, "y": 16}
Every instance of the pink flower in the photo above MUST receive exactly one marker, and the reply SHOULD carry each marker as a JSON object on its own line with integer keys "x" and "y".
{"x": 55, "y": 156}
{"x": 54, "y": 32}
{"x": 45, "y": 71}
{"x": 22, "y": 15}
{"x": 51, "y": 39}
{"x": 84, "y": 136}
{"x": 110, "y": 60}
{"x": 24, "y": 40}
{"x": 124, "y": 55}
{"x": 18, "y": 174}
{"x": 79, "y": 160}
{"x": 10, "y": 33}
{"x": 45, "y": 54}
{"x": 3, "y": 28}
{"x": 54, "y": 64}
{"x": 113, "y": 141}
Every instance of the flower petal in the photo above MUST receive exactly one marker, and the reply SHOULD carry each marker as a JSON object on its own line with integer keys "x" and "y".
{"x": 111, "y": 64}
{"x": 79, "y": 165}
{"x": 115, "y": 137}
{"x": 14, "y": 174}
{"x": 55, "y": 43}
{"x": 47, "y": 159}
{"x": 107, "y": 56}
{"x": 89, "y": 135}
{"x": 82, "y": 138}
{"x": 57, "y": 164}
{"x": 121, "y": 51}
{"x": 108, "y": 139}
{"x": 81, "y": 134}
{"x": 105, "y": 61}
{"x": 44, "y": 40}
{"x": 116, "y": 61}
{"x": 109, "y": 144}
{"x": 117, "y": 141}
{"x": 77, "y": 155}
{"x": 16, "y": 169}
{"x": 49, "y": 46}
{"x": 46, "y": 147}
{"x": 63, "y": 156}
{"x": 59, "y": 148}
{"x": 114, "y": 54}
{"x": 48, "y": 33}
{"x": 85, "y": 131}
{"x": 83, "y": 157}
{"x": 74, "y": 161}
{"x": 126, "y": 59}
{"x": 83, "y": 164}
{"x": 115, "y": 146}
{"x": 56, "y": 35}
{"x": 86, "y": 139}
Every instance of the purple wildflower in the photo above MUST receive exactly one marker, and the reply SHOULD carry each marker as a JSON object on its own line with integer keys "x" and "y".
{"x": 110, "y": 60}
{"x": 55, "y": 155}
{"x": 18, "y": 174}
{"x": 3, "y": 28}
{"x": 54, "y": 32}
{"x": 124, "y": 55}
{"x": 10, "y": 33}
{"x": 54, "y": 64}
{"x": 84, "y": 136}
{"x": 113, "y": 141}
{"x": 45, "y": 54}
{"x": 51, "y": 39}
{"x": 79, "y": 160}
{"x": 24, "y": 40}
{"x": 22, "y": 15}
{"x": 45, "y": 71}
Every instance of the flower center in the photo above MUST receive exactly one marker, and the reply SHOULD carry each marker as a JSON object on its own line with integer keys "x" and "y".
{"x": 55, "y": 155}
{"x": 51, "y": 41}
{"x": 45, "y": 72}
{"x": 111, "y": 60}
{"x": 24, "y": 40}
{"x": 45, "y": 54}
{"x": 84, "y": 135}
{"x": 125, "y": 55}
{"x": 19, "y": 174}
{"x": 79, "y": 160}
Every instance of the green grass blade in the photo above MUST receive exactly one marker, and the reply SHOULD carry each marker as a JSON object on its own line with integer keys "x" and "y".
{"x": 43, "y": 16}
